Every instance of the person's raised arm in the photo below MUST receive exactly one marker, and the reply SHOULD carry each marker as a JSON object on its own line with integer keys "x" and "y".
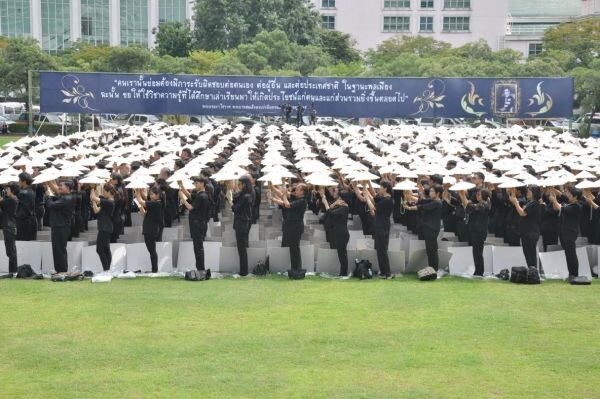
{"x": 368, "y": 184}
{"x": 184, "y": 200}
{"x": 183, "y": 190}
{"x": 515, "y": 201}
{"x": 324, "y": 199}
{"x": 138, "y": 196}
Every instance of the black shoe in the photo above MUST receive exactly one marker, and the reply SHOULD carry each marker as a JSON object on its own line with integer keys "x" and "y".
{"x": 9, "y": 275}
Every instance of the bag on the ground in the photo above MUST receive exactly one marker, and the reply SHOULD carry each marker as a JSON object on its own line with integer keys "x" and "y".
{"x": 58, "y": 278}
{"x": 198, "y": 275}
{"x": 25, "y": 271}
{"x": 74, "y": 276}
{"x": 261, "y": 268}
{"x": 296, "y": 274}
{"x": 533, "y": 275}
{"x": 518, "y": 275}
{"x": 504, "y": 275}
{"x": 363, "y": 269}
{"x": 581, "y": 280}
{"x": 427, "y": 274}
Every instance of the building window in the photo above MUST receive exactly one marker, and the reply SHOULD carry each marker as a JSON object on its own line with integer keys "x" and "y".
{"x": 426, "y": 3}
{"x": 328, "y": 3}
{"x": 426, "y": 24}
{"x": 95, "y": 22}
{"x": 328, "y": 22}
{"x": 134, "y": 22}
{"x": 15, "y": 18}
{"x": 172, "y": 10}
{"x": 396, "y": 4}
{"x": 396, "y": 24}
{"x": 56, "y": 25}
{"x": 535, "y": 48}
{"x": 456, "y": 24}
{"x": 457, "y": 4}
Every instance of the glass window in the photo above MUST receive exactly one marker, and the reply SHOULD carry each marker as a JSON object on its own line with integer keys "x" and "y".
{"x": 396, "y": 24}
{"x": 456, "y": 24}
{"x": 328, "y": 3}
{"x": 95, "y": 22}
{"x": 134, "y": 22}
{"x": 535, "y": 48}
{"x": 396, "y": 4}
{"x": 172, "y": 10}
{"x": 328, "y": 22}
{"x": 15, "y": 18}
{"x": 426, "y": 24}
{"x": 426, "y": 3}
{"x": 458, "y": 4}
{"x": 56, "y": 25}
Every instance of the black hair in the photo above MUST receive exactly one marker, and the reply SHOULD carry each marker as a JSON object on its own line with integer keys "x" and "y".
{"x": 438, "y": 189}
{"x": 155, "y": 190}
{"x": 485, "y": 194}
{"x": 387, "y": 185}
{"x": 117, "y": 177}
{"x": 68, "y": 184}
{"x": 536, "y": 191}
{"x": 480, "y": 175}
{"x": 26, "y": 177}
{"x": 247, "y": 186}
{"x": 14, "y": 188}
{"x": 575, "y": 192}
{"x": 179, "y": 163}
{"x": 112, "y": 190}
{"x": 437, "y": 179}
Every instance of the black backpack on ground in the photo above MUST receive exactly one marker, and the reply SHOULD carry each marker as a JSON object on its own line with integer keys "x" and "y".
{"x": 533, "y": 275}
{"x": 504, "y": 275}
{"x": 363, "y": 269}
{"x": 294, "y": 274}
{"x": 25, "y": 271}
{"x": 518, "y": 275}
{"x": 261, "y": 268}
{"x": 197, "y": 275}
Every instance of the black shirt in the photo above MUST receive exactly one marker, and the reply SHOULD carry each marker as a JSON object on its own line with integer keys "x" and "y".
{"x": 530, "y": 224}
{"x": 478, "y": 215}
{"x": 61, "y": 210}
{"x": 337, "y": 219}
{"x": 569, "y": 221}
{"x": 26, "y": 205}
{"x": 9, "y": 208}
{"x": 153, "y": 218}
{"x": 295, "y": 213}
{"x": 384, "y": 206}
{"x": 201, "y": 207}
{"x": 431, "y": 214}
{"x": 242, "y": 207}
{"x": 105, "y": 222}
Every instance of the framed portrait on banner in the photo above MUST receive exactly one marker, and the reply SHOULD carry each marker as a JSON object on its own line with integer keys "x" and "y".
{"x": 506, "y": 96}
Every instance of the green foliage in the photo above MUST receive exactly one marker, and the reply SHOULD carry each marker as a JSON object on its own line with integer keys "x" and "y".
{"x": 168, "y": 64}
{"x": 339, "y": 46}
{"x": 19, "y": 56}
{"x": 230, "y": 65}
{"x": 225, "y": 24}
{"x": 174, "y": 38}
{"x": 582, "y": 38}
{"x": 203, "y": 62}
{"x": 129, "y": 59}
{"x": 85, "y": 57}
{"x": 340, "y": 69}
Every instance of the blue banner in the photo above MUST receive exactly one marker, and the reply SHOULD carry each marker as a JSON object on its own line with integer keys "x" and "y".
{"x": 75, "y": 92}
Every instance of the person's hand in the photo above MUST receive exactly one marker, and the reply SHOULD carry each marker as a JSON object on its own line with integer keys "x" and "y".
{"x": 180, "y": 183}
{"x": 322, "y": 192}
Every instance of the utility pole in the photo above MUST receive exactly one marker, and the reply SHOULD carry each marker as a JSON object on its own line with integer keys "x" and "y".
{"x": 30, "y": 99}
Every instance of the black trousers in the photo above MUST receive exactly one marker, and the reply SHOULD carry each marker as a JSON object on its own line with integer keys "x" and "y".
{"x": 529, "y": 244}
{"x": 11, "y": 249}
{"x": 292, "y": 233}
{"x": 382, "y": 240}
{"x": 60, "y": 237}
{"x": 241, "y": 238}
{"x": 39, "y": 217}
{"x": 549, "y": 238}
{"x": 462, "y": 230}
{"x": 27, "y": 229}
{"x": 477, "y": 242}
{"x": 568, "y": 245}
{"x": 339, "y": 242}
{"x": 431, "y": 247}
{"x": 198, "y": 232}
{"x": 103, "y": 249}
{"x": 150, "y": 241}
{"x": 117, "y": 228}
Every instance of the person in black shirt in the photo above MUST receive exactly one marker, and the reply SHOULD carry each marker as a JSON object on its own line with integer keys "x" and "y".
{"x": 531, "y": 215}
{"x": 104, "y": 207}
{"x": 381, "y": 207}
{"x": 257, "y": 198}
{"x": 337, "y": 226}
{"x": 293, "y": 222}
{"x": 117, "y": 181}
{"x": 151, "y": 210}
{"x": 199, "y": 209}
{"x": 61, "y": 211}
{"x": 477, "y": 216}
{"x": 549, "y": 223}
{"x": 8, "y": 204}
{"x": 594, "y": 214}
{"x": 568, "y": 229}
{"x": 242, "y": 219}
{"x": 431, "y": 216}
{"x": 26, "y": 219}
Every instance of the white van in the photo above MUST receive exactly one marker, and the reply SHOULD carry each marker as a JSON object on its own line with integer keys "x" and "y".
{"x": 11, "y": 110}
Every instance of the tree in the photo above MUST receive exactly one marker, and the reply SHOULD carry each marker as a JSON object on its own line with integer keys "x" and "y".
{"x": 480, "y": 50}
{"x": 168, "y": 64}
{"x": 308, "y": 58}
{"x": 420, "y": 46}
{"x": 173, "y": 38}
{"x": 339, "y": 45}
{"x": 203, "y": 62}
{"x": 85, "y": 57}
{"x": 225, "y": 24}
{"x": 21, "y": 55}
{"x": 582, "y": 38}
{"x": 587, "y": 89}
{"x": 231, "y": 65}
{"x": 129, "y": 59}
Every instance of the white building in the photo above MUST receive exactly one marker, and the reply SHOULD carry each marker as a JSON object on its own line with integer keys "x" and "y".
{"x": 516, "y": 24}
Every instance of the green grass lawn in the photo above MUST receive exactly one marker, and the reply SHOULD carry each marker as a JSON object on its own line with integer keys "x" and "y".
{"x": 7, "y": 139}
{"x": 317, "y": 338}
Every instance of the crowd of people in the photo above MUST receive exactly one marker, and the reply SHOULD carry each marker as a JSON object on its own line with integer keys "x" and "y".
{"x": 521, "y": 185}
